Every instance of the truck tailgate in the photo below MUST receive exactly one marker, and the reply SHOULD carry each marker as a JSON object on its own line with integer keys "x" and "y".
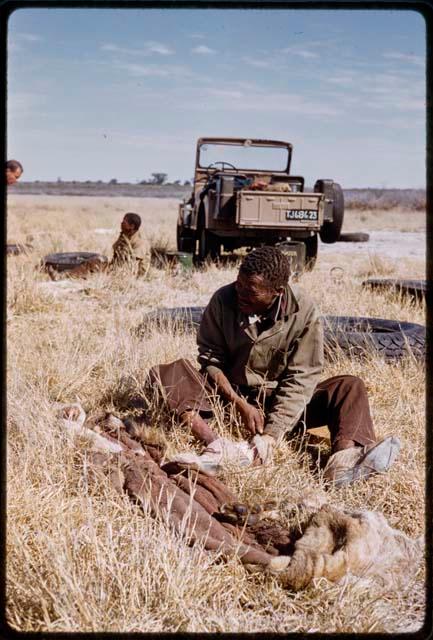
{"x": 288, "y": 210}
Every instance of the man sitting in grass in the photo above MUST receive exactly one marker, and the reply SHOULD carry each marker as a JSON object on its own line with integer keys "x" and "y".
{"x": 130, "y": 248}
{"x": 260, "y": 347}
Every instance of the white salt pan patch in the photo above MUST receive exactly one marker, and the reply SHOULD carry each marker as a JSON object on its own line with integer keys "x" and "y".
{"x": 104, "y": 232}
{"x": 393, "y": 244}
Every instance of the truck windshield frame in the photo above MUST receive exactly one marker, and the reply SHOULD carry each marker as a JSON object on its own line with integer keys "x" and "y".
{"x": 245, "y": 156}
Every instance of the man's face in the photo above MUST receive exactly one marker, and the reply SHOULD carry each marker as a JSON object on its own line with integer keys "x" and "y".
{"x": 127, "y": 227}
{"x": 12, "y": 176}
{"x": 255, "y": 295}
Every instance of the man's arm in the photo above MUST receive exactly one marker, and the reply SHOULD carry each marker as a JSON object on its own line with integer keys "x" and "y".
{"x": 143, "y": 266}
{"x": 299, "y": 380}
{"x": 213, "y": 352}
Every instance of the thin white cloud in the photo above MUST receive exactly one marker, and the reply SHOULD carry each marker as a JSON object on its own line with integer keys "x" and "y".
{"x": 202, "y": 49}
{"x": 267, "y": 102}
{"x": 159, "y": 47}
{"x": 114, "y": 48}
{"x": 256, "y": 62}
{"x": 302, "y": 52}
{"x": 28, "y": 37}
{"x": 197, "y": 36}
{"x": 398, "y": 122}
{"x": 225, "y": 93}
{"x": 419, "y": 61}
{"x": 342, "y": 80}
{"x": 379, "y": 92}
{"x": 162, "y": 71}
{"x": 148, "y": 49}
{"x": 396, "y": 103}
{"x": 18, "y": 41}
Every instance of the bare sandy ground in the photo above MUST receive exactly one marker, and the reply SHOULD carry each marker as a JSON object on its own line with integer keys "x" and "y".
{"x": 392, "y": 244}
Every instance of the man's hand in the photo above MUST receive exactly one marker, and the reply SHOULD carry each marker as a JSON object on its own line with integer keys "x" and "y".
{"x": 264, "y": 445}
{"x": 251, "y": 417}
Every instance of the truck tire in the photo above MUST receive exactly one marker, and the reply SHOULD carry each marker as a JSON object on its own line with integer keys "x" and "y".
{"x": 311, "y": 248}
{"x": 330, "y": 231}
{"x": 186, "y": 318}
{"x": 184, "y": 244}
{"x": 355, "y": 336}
{"x": 18, "y": 249}
{"x": 209, "y": 246}
{"x": 67, "y": 261}
{"x": 415, "y": 288}
{"x": 356, "y": 236}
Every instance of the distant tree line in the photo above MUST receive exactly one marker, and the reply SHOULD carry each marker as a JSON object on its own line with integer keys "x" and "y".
{"x": 158, "y": 178}
{"x": 161, "y": 178}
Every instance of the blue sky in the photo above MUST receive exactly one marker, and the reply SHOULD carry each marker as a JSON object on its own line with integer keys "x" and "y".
{"x": 100, "y": 94}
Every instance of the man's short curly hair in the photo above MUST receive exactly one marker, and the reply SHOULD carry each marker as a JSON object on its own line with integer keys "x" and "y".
{"x": 270, "y": 263}
{"x": 133, "y": 218}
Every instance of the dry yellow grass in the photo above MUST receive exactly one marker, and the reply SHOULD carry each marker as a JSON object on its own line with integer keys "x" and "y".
{"x": 82, "y": 558}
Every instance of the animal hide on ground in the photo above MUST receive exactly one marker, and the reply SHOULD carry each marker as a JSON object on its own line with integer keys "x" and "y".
{"x": 361, "y": 543}
{"x": 333, "y": 544}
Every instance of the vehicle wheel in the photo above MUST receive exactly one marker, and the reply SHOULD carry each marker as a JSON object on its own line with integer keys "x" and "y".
{"x": 18, "y": 249}
{"x": 67, "y": 261}
{"x": 209, "y": 246}
{"x": 354, "y": 237}
{"x": 415, "y": 288}
{"x": 184, "y": 244}
{"x": 185, "y": 318}
{"x": 311, "y": 247}
{"x": 355, "y": 336}
{"x": 330, "y": 231}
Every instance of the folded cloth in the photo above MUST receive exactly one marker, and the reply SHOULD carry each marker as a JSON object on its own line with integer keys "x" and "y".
{"x": 219, "y": 453}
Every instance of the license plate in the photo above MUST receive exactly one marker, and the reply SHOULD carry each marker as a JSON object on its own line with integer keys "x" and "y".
{"x": 301, "y": 214}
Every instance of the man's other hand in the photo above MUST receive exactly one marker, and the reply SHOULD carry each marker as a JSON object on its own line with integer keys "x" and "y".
{"x": 251, "y": 417}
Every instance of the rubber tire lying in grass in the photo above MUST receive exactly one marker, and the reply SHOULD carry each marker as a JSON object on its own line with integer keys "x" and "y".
{"x": 18, "y": 249}
{"x": 67, "y": 261}
{"x": 391, "y": 339}
{"x": 356, "y": 236}
{"x": 415, "y": 288}
{"x": 355, "y": 336}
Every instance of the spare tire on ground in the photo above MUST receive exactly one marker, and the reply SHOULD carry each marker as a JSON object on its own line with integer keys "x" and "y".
{"x": 18, "y": 249}
{"x": 355, "y": 336}
{"x": 415, "y": 288}
{"x": 186, "y": 318}
{"x": 69, "y": 260}
{"x": 355, "y": 236}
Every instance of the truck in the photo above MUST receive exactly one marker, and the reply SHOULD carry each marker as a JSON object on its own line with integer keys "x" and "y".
{"x": 243, "y": 195}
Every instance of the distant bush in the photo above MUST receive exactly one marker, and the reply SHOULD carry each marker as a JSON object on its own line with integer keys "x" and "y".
{"x": 414, "y": 199}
